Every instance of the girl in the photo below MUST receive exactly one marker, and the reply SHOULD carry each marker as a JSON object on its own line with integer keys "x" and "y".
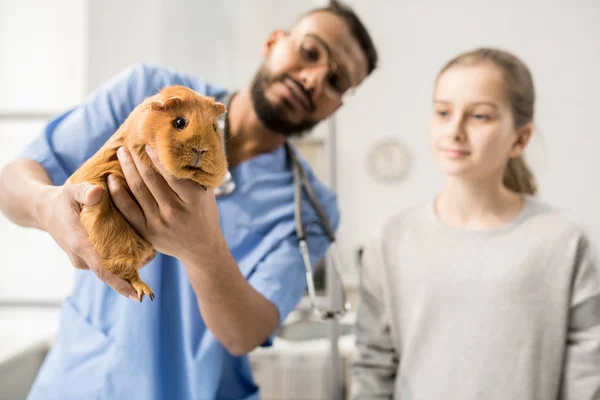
{"x": 485, "y": 292}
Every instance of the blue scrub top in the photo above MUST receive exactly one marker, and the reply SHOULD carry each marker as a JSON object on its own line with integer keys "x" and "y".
{"x": 110, "y": 347}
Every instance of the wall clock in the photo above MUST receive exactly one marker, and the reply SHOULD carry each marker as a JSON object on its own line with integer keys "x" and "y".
{"x": 388, "y": 160}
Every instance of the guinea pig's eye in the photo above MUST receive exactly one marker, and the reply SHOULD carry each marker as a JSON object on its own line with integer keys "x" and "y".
{"x": 180, "y": 123}
{"x": 215, "y": 128}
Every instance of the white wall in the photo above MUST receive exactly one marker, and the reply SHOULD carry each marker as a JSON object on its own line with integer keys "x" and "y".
{"x": 43, "y": 51}
{"x": 218, "y": 41}
{"x": 42, "y": 70}
{"x": 119, "y": 33}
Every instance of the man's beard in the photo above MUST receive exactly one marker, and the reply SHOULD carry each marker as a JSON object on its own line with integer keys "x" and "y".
{"x": 273, "y": 116}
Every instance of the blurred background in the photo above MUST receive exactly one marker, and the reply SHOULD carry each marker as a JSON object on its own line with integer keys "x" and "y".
{"x": 374, "y": 153}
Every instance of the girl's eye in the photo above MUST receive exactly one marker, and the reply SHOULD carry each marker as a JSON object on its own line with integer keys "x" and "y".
{"x": 442, "y": 113}
{"x": 214, "y": 126}
{"x": 481, "y": 117}
{"x": 180, "y": 123}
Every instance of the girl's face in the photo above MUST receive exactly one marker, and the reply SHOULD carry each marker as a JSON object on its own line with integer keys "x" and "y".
{"x": 472, "y": 127}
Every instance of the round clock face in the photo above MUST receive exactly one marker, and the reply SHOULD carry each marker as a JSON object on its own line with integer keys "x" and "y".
{"x": 388, "y": 160}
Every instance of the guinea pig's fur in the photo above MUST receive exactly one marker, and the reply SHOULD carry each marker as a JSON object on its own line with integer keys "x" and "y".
{"x": 188, "y": 148}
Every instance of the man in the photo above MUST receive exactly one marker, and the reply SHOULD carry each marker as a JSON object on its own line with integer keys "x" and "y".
{"x": 228, "y": 270}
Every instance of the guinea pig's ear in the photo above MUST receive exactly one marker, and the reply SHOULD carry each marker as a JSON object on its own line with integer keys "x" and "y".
{"x": 167, "y": 104}
{"x": 219, "y": 108}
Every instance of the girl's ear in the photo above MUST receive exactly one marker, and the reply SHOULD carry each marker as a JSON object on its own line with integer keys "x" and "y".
{"x": 523, "y": 136}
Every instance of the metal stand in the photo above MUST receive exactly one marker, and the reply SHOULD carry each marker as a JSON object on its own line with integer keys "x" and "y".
{"x": 336, "y": 389}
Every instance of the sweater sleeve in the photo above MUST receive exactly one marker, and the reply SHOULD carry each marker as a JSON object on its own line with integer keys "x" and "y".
{"x": 581, "y": 379}
{"x": 376, "y": 360}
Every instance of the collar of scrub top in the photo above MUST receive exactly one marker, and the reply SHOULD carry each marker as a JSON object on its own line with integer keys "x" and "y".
{"x": 300, "y": 181}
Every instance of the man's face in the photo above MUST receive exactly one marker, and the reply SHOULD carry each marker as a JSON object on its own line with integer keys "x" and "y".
{"x": 306, "y": 73}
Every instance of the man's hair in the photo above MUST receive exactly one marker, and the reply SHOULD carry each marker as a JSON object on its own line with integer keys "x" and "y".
{"x": 357, "y": 29}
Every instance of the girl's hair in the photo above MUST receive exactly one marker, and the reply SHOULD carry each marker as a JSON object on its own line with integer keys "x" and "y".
{"x": 518, "y": 84}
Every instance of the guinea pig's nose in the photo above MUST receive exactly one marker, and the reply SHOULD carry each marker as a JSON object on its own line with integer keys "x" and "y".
{"x": 199, "y": 153}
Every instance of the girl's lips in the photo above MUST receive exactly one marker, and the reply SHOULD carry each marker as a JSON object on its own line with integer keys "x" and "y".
{"x": 452, "y": 153}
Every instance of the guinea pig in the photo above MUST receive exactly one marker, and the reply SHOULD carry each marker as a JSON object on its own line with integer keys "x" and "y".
{"x": 181, "y": 126}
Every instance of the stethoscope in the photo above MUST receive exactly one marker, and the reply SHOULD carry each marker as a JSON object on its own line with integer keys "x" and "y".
{"x": 300, "y": 180}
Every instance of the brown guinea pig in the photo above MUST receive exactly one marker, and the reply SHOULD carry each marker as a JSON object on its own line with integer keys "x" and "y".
{"x": 181, "y": 126}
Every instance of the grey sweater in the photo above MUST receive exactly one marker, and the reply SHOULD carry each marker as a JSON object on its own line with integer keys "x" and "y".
{"x": 451, "y": 314}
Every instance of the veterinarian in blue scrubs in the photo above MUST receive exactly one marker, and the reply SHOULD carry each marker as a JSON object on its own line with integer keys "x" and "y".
{"x": 228, "y": 270}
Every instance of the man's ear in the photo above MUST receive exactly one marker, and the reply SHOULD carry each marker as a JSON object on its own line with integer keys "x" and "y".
{"x": 523, "y": 135}
{"x": 166, "y": 105}
{"x": 272, "y": 40}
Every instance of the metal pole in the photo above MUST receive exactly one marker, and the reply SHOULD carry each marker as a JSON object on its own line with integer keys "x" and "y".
{"x": 333, "y": 288}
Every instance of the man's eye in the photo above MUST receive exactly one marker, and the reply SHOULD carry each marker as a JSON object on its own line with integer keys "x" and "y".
{"x": 180, "y": 123}
{"x": 309, "y": 54}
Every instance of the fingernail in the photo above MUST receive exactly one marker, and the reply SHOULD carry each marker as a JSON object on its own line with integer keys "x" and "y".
{"x": 148, "y": 150}
{"x": 134, "y": 297}
{"x": 120, "y": 151}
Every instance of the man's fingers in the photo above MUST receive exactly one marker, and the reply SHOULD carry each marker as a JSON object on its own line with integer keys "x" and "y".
{"x": 135, "y": 182}
{"x": 86, "y": 193}
{"x": 125, "y": 204}
{"x": 155, "y": 181}
{"x": 120, "y": 285}
{"x": 78, "y": 262}
{"x": 181, "y": 187}
{"x": 83, "y": 256}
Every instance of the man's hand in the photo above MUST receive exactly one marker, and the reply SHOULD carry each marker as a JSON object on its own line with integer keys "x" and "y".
{"x": 178, "y": 217}
{"x": 58, "y": 214}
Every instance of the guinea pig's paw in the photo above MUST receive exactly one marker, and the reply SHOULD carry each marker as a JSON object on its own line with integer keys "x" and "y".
{"x": 142, "y": 289}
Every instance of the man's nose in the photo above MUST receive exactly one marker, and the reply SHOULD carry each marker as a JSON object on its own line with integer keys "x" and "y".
{"x": 313, "y": 79}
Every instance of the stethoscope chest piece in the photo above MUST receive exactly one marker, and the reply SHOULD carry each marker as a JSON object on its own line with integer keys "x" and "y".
{"x": 226, "y": 187}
